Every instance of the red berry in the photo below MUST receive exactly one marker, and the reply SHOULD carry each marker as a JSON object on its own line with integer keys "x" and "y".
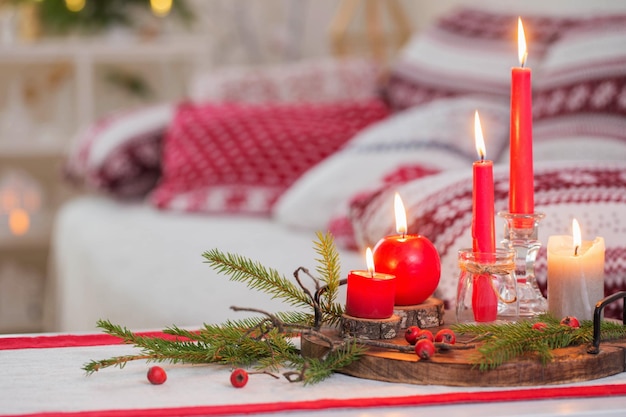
{"x": 570, "y": 321}
{"x": 539, "y": 326}
{"x": 411, "y": 334}
{"x": 239, "y": 378}
{"x": 156, "y": 375}
{"x": 425, "y": 349}
{"x": 445, "y": 336}
{"x": 425, "y": 334}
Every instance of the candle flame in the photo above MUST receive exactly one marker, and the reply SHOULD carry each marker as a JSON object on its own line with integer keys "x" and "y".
{"x": 369, "y": 260}
{"x": 478, "y": 137}
{"x": 522, "y": 51}
{"x": 577, "y": 237}
{"x": 400, "y": 215}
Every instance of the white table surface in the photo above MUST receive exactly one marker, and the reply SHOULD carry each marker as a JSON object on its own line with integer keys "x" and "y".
{"x": 50, "y": 380}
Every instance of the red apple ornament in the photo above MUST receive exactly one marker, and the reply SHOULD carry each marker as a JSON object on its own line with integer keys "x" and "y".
{"x": 413, "y": 259}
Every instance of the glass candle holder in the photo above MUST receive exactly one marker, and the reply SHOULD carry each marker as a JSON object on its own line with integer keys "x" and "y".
{"x": 520, "y": 234}
{"x": 487, "y": 288}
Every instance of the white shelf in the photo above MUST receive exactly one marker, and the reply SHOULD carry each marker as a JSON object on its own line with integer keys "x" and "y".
{"x": 34, "y": 150}
{"x": 84, "y": 54}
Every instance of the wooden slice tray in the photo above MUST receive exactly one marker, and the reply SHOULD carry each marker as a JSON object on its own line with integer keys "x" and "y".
{"x": 454, "y": 368}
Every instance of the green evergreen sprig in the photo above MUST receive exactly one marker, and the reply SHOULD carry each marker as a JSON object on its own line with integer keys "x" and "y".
{"x": 329, "y": 269}
{"x": 507, "y": 341}
{"x": 317, "y": 370}
{"x": 265, "y": 341}
{"x": 256, "y": 276}
{"x": 268, "y": 280}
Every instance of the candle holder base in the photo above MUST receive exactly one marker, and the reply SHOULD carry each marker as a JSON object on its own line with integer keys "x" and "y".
{"x": 372, "y": 329}
{"x": 425, "y": 315}
{"x": 520, "y": 235}
{"x": 487, "y": 290}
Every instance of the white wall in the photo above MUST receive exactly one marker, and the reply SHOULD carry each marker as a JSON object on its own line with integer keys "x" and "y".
{"x": 271, "y": 31}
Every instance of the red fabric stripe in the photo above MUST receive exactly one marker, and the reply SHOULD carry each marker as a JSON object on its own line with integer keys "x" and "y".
{"x": 56, "y": 341}
{"x": 325, "y": 404}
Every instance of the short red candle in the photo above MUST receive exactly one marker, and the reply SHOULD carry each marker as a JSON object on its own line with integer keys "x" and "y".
{"x": 370, "y": 294}
{"x": 521, "y": 186}
{"x": 413, "y": 259}
{"x": 484, "y": 298}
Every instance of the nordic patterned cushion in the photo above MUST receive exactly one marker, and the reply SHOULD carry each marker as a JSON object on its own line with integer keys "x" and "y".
{"x": 467, "y": 51}
{"x": 319, "y": 80}
{"x": 120, "y": 154}
{"x": 433, "y": 137}
{"x": 239, "y": 158}
{"x": 579, "y": 101}
{"x": 340, "y": 225}
{"x": 439, "y": 207}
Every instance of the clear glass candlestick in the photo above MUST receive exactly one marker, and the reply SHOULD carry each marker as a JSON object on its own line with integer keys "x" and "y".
{"x": 520, "y": 234}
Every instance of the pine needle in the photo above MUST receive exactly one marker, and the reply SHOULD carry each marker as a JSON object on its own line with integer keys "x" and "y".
{"x": 257, "y": 277}
{"x": 318, "y": 370}
{"x": 329, "y": 268}
{"x": 505, "y": 342}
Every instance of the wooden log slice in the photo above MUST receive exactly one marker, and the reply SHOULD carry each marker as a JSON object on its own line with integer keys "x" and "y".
{"x": 370, "y": 328}
{"x": 429, "y": 314}
{"x": 455, "y": 368}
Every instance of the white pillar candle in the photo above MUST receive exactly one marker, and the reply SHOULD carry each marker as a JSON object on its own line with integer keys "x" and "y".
{"x": 575, "y": 275}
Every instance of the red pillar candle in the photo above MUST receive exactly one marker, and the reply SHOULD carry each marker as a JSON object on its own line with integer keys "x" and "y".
{"x": 370, "y": 294}
{"x": 521, "y": 187}
{"x": 413, "y": 259}
{"x": 484, "y": 298}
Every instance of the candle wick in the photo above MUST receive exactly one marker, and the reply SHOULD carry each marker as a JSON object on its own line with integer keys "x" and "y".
{"x": 576, "y": 250}
{"x": 523, "y": 63}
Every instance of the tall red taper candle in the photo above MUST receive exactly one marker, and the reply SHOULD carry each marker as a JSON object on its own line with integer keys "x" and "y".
{"x": 521, "y": 187}
{"x": 483, "y": 227}
{"x": 484, "y": 298}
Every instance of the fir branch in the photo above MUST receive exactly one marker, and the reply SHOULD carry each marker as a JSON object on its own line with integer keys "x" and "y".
{"x": 504, "y": 342}
{"x": 256, "y": 276}
{"x": 329, "y": 268}
{"x": 152, "y": 349}
{"x": 227, "y": 344}
{"x": 318, "y": 370}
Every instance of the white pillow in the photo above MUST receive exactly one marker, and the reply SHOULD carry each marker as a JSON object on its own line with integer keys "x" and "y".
{"x": 579, "y": 100}
{"x": 438, "y": 135}
{"x": 318, "y": 80}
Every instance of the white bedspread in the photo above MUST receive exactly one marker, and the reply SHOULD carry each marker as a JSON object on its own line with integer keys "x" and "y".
{"x": 143, "y": 268}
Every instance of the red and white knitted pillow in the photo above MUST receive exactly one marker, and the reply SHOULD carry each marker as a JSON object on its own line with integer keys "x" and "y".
{"x": 319, "y": 80}
{"x": 239, "y": 158}
{"x": 468, "y": 51}
{"x": 340, "y": 225}
{"x": 434, "y": 137}
{"x": 120, "y": 154}
{"x": 579, "y": 101}
{"x": 440, "y": 208}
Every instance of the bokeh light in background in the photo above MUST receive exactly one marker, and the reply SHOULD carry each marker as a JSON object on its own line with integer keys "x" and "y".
{"x": 161, "y": 7}
{"x": 75, "y": 5}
